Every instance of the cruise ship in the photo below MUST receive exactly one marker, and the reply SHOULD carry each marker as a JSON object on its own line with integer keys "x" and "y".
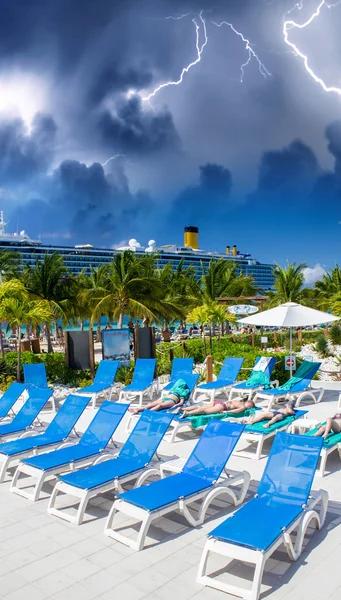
{"x": 82, "y": 257}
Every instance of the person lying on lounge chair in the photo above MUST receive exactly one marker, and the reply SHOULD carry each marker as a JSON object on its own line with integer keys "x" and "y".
{"x": 332, "y": 424}
{"x": 218, "y": 406}
{"x": 272, "y": 416}
{"x": 176, "y": 396}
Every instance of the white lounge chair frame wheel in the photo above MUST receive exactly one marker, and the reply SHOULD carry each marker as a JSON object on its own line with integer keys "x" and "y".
{"x": 183, "y": 505}
{"x": 258, "y": 558}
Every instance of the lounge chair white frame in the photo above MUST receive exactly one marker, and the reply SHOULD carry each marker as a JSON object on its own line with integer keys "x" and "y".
{"x": 40, "y": 475}
{"x": 138, "y": 395}
{"x": 84, "y": 496}
{"x": 303, "y": 425}
{"x": 258, "y": 557}
{"x": 6, "y": 461}
{"x": 223, "y": 486}
{"x": 315, "y": 394}
{"x": 106, "y": 393}
{"x": 339, "y": 401}
{"x": 258, "y": 439}
{"x": 238, "y": 392}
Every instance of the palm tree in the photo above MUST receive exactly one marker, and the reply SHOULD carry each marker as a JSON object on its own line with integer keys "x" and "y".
{"x": 18, "y": 308}
{"x": 89, "y": 287}
{"x": 200, "y": 315}
{"x": 288, "y": 284}
{"x": 132, "y": 288}
{"x": 50, "y": 280}
{"x": 9, "y": 268}
{"x": 328, "y": 289}
{"x": 179, "y": 293}
{"x": 222, "y": 278}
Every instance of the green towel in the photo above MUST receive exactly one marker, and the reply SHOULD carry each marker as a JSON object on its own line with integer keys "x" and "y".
{"x": 301, "y": 373}
{"x": 259, "y": 427}
{"x": 181, "y": 389}
{"x": 202, "y": 420}
{"x": 332, "y": 438}
{"x": 258, "y": 378}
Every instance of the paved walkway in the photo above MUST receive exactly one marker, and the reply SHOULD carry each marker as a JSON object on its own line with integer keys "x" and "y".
{"x": 44, "y": 557}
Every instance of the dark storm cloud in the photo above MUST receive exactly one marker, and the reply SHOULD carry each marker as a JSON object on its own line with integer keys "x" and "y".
{"x": 293, "y": 169}
{"x": 82, "y": 204}
{"x": 133, "y": 130}
{"x": 113, "y": 79}
{"x": 207, "y": 201}
{"x": 23, "y": 155}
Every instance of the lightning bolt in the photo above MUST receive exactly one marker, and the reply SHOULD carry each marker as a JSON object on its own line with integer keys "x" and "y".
{"x": 288, "y": 25}
{"x": 251, "y": 53}
{"x": 112, "y": 158}
{"x": 199, "y": 48}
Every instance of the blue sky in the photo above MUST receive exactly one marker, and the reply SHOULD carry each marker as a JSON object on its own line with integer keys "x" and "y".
{"x": 252, "y": 158}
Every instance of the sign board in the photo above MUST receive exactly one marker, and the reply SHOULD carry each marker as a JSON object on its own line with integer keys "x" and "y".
{"x": 79, "y": 350}
{"x": 290, "y": 363}
{"x": 263, "y": 340}
{"x": 309, "y": 358}
{"x": 116, "y": 345}
{"x": 145, "y": 342}
{"x": 242, "y": 309}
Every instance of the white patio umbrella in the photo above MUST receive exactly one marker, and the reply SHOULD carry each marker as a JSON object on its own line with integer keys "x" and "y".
{"x": 289, "y": 315}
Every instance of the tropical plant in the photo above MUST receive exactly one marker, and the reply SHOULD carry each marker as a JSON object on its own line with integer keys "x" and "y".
{"x": 328, "y": 289}
{"x": 18, "y": 309}
{"x": 288, "y": 284}
{"x": 335, "y": 334}
{"x": 50, "y": 280}
{"x": 222, "y": 278}
{"x": 132, "y": 288}
{"x": 322, "y": 346}
{"x": 9, "y": 268}
{"x": 200, "y": 315}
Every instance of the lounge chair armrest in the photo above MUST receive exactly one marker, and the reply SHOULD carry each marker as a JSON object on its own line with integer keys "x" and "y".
{"x": 274, "y": 383}
{"x": 28, "y": 433}
{"x": 103, "y": 458}
{"x": 65, "y": 445}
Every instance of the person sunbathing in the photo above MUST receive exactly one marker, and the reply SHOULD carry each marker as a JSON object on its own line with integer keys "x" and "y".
{"x": 272, "y": 416}
{"x": 176, "y": 396}
{"x": 218, "y": 406}
{"x": 332, "y": 424}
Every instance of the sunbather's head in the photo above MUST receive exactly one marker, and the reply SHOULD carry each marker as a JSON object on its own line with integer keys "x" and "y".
{"x": 249, "y": 404}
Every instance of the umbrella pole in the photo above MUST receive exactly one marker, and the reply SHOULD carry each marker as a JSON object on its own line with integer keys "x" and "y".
{"x": 290, "y": 352}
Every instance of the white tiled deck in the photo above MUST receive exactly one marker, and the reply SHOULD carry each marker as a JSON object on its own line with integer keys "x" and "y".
{"x": 44, "y": 557}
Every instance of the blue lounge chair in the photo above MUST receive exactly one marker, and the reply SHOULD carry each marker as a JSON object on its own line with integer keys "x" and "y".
{"x": 283, "y": 504}
{"x": 180, "y": 367}
{"x": 226, "y": 378}
{"x": 142, "y": 383}
{"x": 92, "y": 443}
{"x": 104, "y": 381}
{"x": 35, "y": 375}
{"x": 199, "y": 479}
{"x": 242, "y": 389}
{"x": 131, "y": 463}
{"x": 37, "y": 398}
{"x": 10, "y": 397}
{"x": 191, "y": 380}
{"x": 54, "y": 435}
{"x": 300, "y": 390}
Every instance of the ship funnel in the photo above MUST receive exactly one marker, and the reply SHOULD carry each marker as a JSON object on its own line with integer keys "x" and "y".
{"x": 234, "y": 250}
{"x": 191, "y": 237}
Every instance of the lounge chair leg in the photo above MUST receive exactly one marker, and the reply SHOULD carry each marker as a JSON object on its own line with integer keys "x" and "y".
{"x": 144, "y": 517}
{"x": 3, "y": 469}
{"x": 173, "y": 433}
{"x": 93, "y": 400}
{"x": 323, "y": 462}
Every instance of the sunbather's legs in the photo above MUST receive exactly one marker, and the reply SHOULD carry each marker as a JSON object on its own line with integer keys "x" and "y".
{"x": 138, "y": 409}
{"x": 258, "y": 417}
{"x": 325, "y": 430}
{"x": 274, "y": 420}
{"x": 203, "y": 410}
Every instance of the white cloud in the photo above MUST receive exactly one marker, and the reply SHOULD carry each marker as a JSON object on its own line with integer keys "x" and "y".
{"x": 312, "y": 274}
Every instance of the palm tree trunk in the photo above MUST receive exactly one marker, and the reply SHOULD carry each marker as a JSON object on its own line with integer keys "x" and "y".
{"x": 1, "y": 342}
{"x": 19, "y": 355}
{"x": 205, "y": 349}
{"x": 120, "y": 320}
{"x": 98, "y": 335}
{"x": 82, "y": 325}
{"x": 49, "y": 342}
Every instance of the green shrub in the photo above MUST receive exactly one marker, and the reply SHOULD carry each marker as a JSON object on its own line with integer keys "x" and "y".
{"x": 322, "y": 346}
{"x": 335, "y": 334}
